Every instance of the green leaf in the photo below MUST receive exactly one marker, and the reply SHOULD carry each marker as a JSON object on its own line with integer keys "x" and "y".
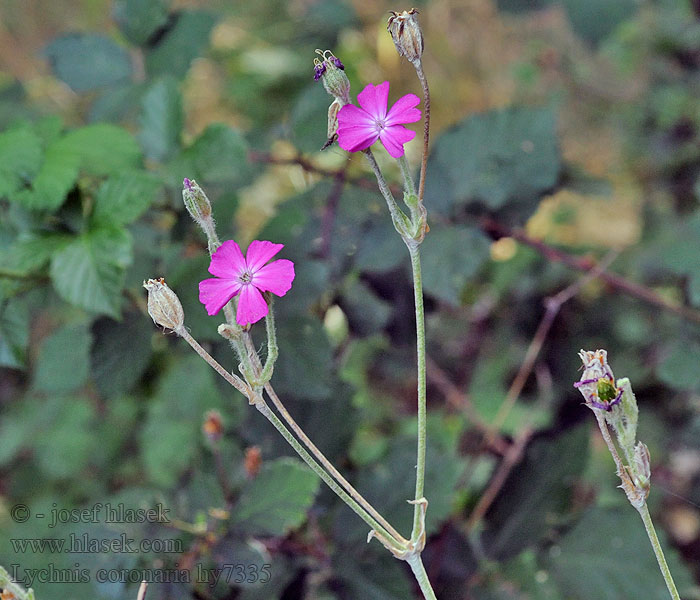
{"x": 495, "y": 158}
{"x": 89, "y": 272}
{"x": 14, "y": 333}
{"x": 86, "y": 61}
{"x": 374, "y": 576}
{"x": 169, "y": 438}
{"x": 680, "y": 368}
{"x": 680, "y": 249}
{"x": 20, "y": 158}
{"x": 63, "y": 364}
{"x": 140, "y": 19}
{"x": 123, "y": 198}
{"x": 607, "y": 556}
{"x": 218, "y": 155}
{"x": 114, "y": 370}
{"x": 56, "y": 177}
{"x": 30, "y": 254}
{"x": 181, "y": 44}
{"x": 100, "y": 149}
{"x": 451, "y": 256}
{"x": 66, "y": 443}
{"x": 161, "y": 119}
{"x": 595, "y": 20}
{"x": 533, "y": 494}
{"x": 277, "y": 499}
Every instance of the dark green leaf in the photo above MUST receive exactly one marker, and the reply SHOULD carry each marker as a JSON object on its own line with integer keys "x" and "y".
{"x": 139, "y": 19}
{"x": 86, "y": 61}
{"x": 63, "y": 364}
{"x": 161, "y": 119}
{"x": 680, "y": 250}
{"x": 114, "y": 370}
{"x": 14, "y": 333}
{"x": 30, "y": 254}
{"x": 123, "y": 198}
{"x": 533, "y": 494}
{"x": 594, "y": 20}
{"x": 20, "y": 158}
{"x": 277, "y": 499}
{"x": 607, "y": 556}
{"x": 181, "y": 44}
{"x": 494, "y": 158}
{"x": 451, "y": 256}
{"x": 89, "y": 272}
{"x": 679, "y": 369}
{"x": 375, "y": 576}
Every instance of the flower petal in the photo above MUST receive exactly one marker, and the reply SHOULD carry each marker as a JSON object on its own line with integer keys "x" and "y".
{"x": 354, "y": 139}
{"x": 394, "y": 138}
{"x": 215, "y": 293}
{"x": 276, "y": 277}
{"x": 251, "y": 306}
{"x": 227, "y": 261}
{"x": 259, "y": 252}
{"x": 374, "y": 99}
{"x": 403, "y": 110}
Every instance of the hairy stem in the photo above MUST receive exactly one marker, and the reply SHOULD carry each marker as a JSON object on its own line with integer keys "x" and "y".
{"x": 426, "y": 127}
{"x": 421, "y": 576}
{"x": 420, "y": 350}
{"x": 660, "y": 558}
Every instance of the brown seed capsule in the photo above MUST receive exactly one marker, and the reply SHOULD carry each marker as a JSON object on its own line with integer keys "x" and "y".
{"x": 407, "y": 34}
{"x": 164, "y": 306}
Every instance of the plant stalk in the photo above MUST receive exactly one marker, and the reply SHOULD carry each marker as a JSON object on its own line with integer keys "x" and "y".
{"x": 421, "y": 576}
{"x": 658, "y": 551}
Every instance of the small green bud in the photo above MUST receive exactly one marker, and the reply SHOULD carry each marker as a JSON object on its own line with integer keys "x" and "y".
{"x": 407, "y": 34}
{"x": 196, "y": 201}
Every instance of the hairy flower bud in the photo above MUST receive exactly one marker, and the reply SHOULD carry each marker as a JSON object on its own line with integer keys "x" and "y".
{"x": 196, "y": 201}
{"x": 164, "y": 306}
{"x": 332, "y": 73}
{"x": 407, "y": 34}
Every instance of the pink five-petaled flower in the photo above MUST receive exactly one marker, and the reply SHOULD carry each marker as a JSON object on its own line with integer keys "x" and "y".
{"x": 359, "y": 127}
{"x": 247, "y": 277}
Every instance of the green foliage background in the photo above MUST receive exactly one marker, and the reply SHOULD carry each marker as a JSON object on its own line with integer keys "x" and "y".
{"x": 575, "y": 122}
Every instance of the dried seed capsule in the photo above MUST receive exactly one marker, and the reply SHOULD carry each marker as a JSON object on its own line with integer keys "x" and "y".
{"x": 407, "y": 34}
{"x": 164, "y": 306}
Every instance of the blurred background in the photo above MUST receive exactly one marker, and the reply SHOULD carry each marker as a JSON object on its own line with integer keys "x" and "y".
{"x": 565, "y": 134}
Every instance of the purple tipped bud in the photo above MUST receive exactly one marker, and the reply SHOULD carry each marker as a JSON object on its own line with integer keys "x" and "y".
{"x": 330, "y": 70}
{"x": 196, "y": 201}
{"x": 337, "y": 63}
{"x": 319, "y": 70}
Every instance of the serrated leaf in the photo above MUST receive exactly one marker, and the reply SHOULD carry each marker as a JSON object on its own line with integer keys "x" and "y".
{"x": 89, "y": 272}
{"x": 86, "y": 61}
{"x": 139, "y": 19}
{"x": 181, "y": 44}
{"x": 494, "y": 158}
{"x": 124, "y": 198}
{"x": 533, "y": 493}
{"x": 63, "y": 364}
{"x": 14, "y": 333}
{"x": 277, "y": 499}
{"x": 100, "y": 149}
{"x": 30, "y": 254}
{"x": 161, "y": 119}
{"x": 607, "y": 556}
{"x": 20, "y": 158}
{"x": 450, "y": 257}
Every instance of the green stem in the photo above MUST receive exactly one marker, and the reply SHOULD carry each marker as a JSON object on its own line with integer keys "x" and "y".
{"x": 408, "y": 186}
{"x": 272, "y": 348}
{"x": 656, "y": 545}
{"x": 330, "y": 482}
{"x": 421, "y": 576}
{"x": 420, "y": 349}
{"x": 401, "y": 221}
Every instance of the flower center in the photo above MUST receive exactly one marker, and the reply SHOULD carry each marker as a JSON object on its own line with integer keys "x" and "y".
{"x": 245, "y": 277}
{"x": 379, "y": 124}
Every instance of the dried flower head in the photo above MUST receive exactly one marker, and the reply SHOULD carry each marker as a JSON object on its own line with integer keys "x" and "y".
{"x": 597, "y": 383}
{"x": 331, "y": 72}
{"x": 163, "y": 305}
{"x": 406, "y": 33}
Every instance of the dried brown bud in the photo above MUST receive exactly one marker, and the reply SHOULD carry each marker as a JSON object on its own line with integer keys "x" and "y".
{"x": 406, "y": 33}
{"x": 164, "y": 306}
{"x": 253, "y": 461}
{"x": 213, "y": 427}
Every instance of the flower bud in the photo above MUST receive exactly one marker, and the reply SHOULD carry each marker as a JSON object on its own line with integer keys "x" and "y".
{"x": 406, "y": 33}
{"x": 164, "y": 306}
{"x": 196, "y": 201}
{"x": 213, "y": 427}
{"x": 332, "y": 73}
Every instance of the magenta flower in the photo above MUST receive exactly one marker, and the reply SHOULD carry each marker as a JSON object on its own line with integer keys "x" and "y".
{"x": 359, "y": 127}
{"x": 245, "y": 276}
